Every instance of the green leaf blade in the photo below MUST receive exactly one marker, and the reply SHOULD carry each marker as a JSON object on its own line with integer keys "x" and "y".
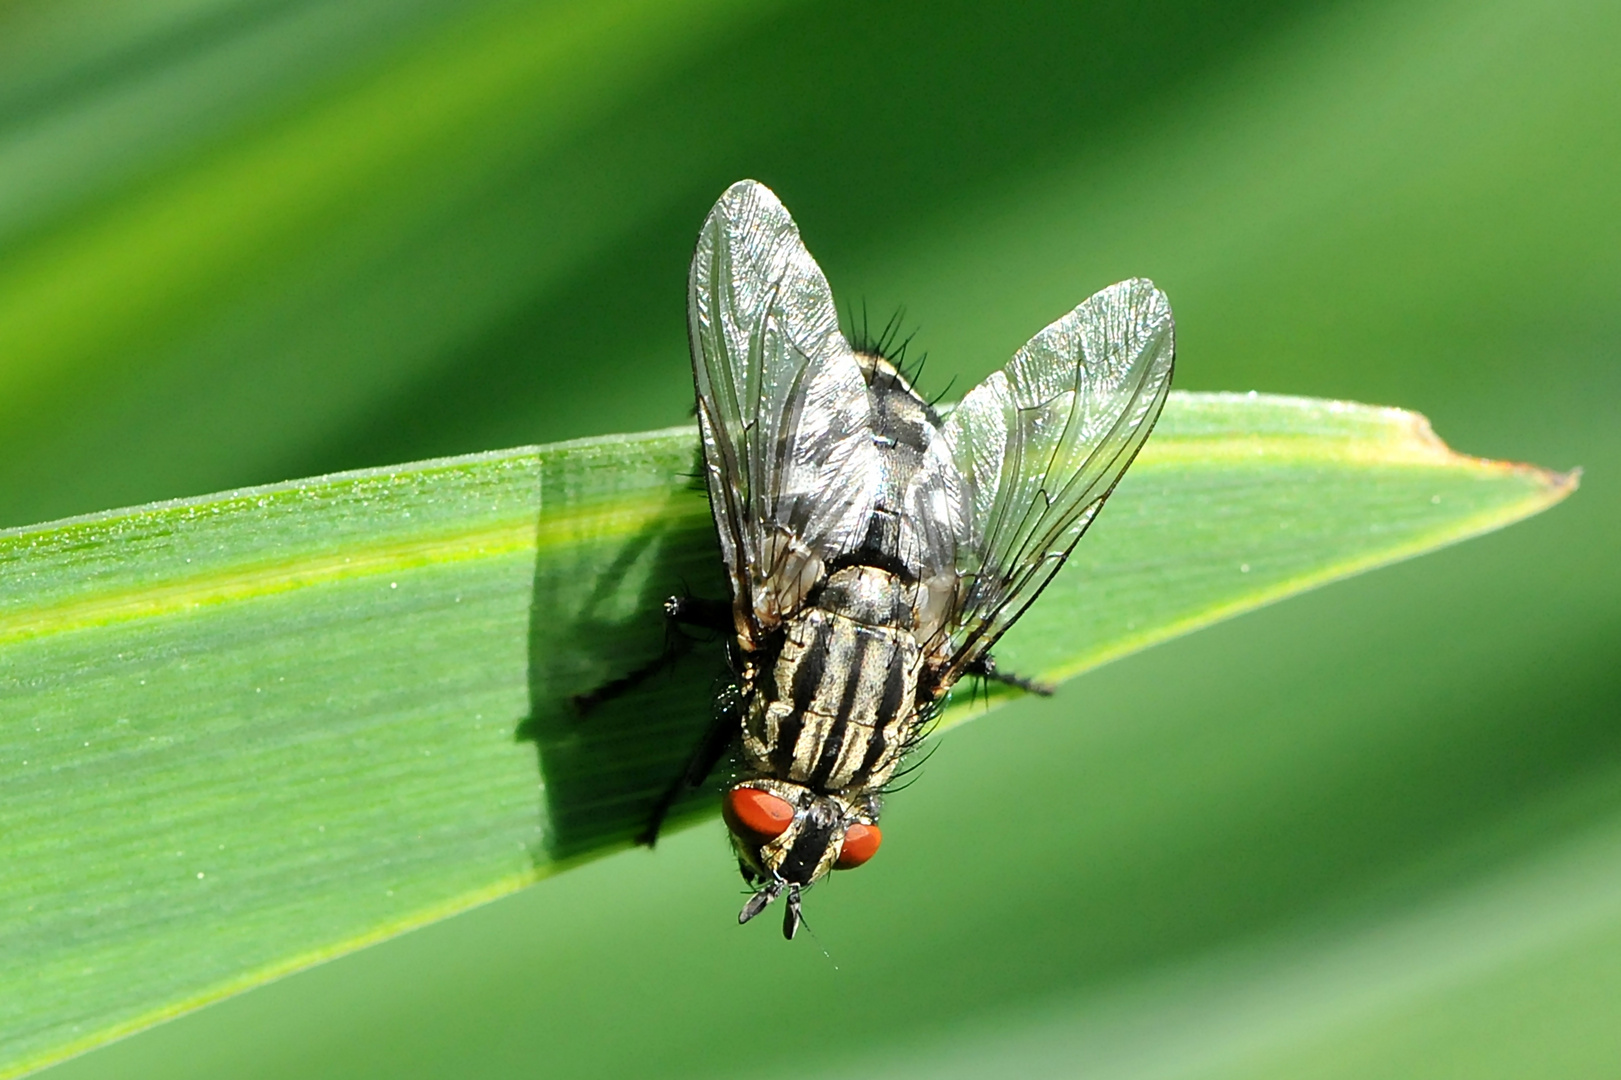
{"x": 243, "y": 733}
{"x": 1249, "y": 499}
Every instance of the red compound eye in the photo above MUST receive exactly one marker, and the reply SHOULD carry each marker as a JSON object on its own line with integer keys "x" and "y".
{"x": 860, "y": 844}
{"x": 750, "y": 810}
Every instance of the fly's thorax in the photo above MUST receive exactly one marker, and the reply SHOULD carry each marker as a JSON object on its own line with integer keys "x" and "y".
{"x": 785, "y": 832}
{"x": 919, "y": 515}
{"x": 838, "y": 706}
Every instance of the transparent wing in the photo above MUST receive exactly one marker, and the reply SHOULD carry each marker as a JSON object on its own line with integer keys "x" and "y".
{"x": 1042, "y": 443}
{"x": 782, "y": 405}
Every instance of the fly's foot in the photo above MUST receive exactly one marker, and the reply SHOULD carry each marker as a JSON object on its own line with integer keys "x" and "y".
{"x": 985, "y": 668}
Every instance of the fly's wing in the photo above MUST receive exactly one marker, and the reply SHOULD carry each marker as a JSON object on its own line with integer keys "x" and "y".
{"x": 782, "y": 405}
{"x": 1042, "y": 443}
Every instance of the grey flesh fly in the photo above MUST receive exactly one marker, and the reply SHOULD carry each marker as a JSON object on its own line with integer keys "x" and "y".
{"x": 876, "y": 549}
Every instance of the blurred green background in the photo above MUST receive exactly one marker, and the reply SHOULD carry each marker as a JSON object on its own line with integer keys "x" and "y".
{"x": 1372, "y": 832}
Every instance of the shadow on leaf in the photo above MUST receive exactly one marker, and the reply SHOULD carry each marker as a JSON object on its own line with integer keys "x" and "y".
{"x": 604, "y": 769}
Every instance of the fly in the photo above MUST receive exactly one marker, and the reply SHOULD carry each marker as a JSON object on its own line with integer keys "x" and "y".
{"x": 876, "y": 550}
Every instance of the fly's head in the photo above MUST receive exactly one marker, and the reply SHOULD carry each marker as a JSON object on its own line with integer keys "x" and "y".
{"x": 788, "y": 837}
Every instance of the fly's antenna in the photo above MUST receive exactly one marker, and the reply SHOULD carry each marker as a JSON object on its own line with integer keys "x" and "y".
{"x": 791, "y": 916}
{"x": 757, "y": 903}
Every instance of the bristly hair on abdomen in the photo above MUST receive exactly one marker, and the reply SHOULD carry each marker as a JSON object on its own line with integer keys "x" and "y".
{"x": 887, "y": 342}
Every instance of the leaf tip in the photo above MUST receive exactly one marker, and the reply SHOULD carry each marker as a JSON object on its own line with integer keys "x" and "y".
{"x": 1561, "y": 484}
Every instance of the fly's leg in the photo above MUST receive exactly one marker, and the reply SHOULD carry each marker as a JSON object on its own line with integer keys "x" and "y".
{"x": 678, "y": 611}
{"x": 985, "y": 668}
{"x": 676, "y": 646}
{"x": 722, "y": 730}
